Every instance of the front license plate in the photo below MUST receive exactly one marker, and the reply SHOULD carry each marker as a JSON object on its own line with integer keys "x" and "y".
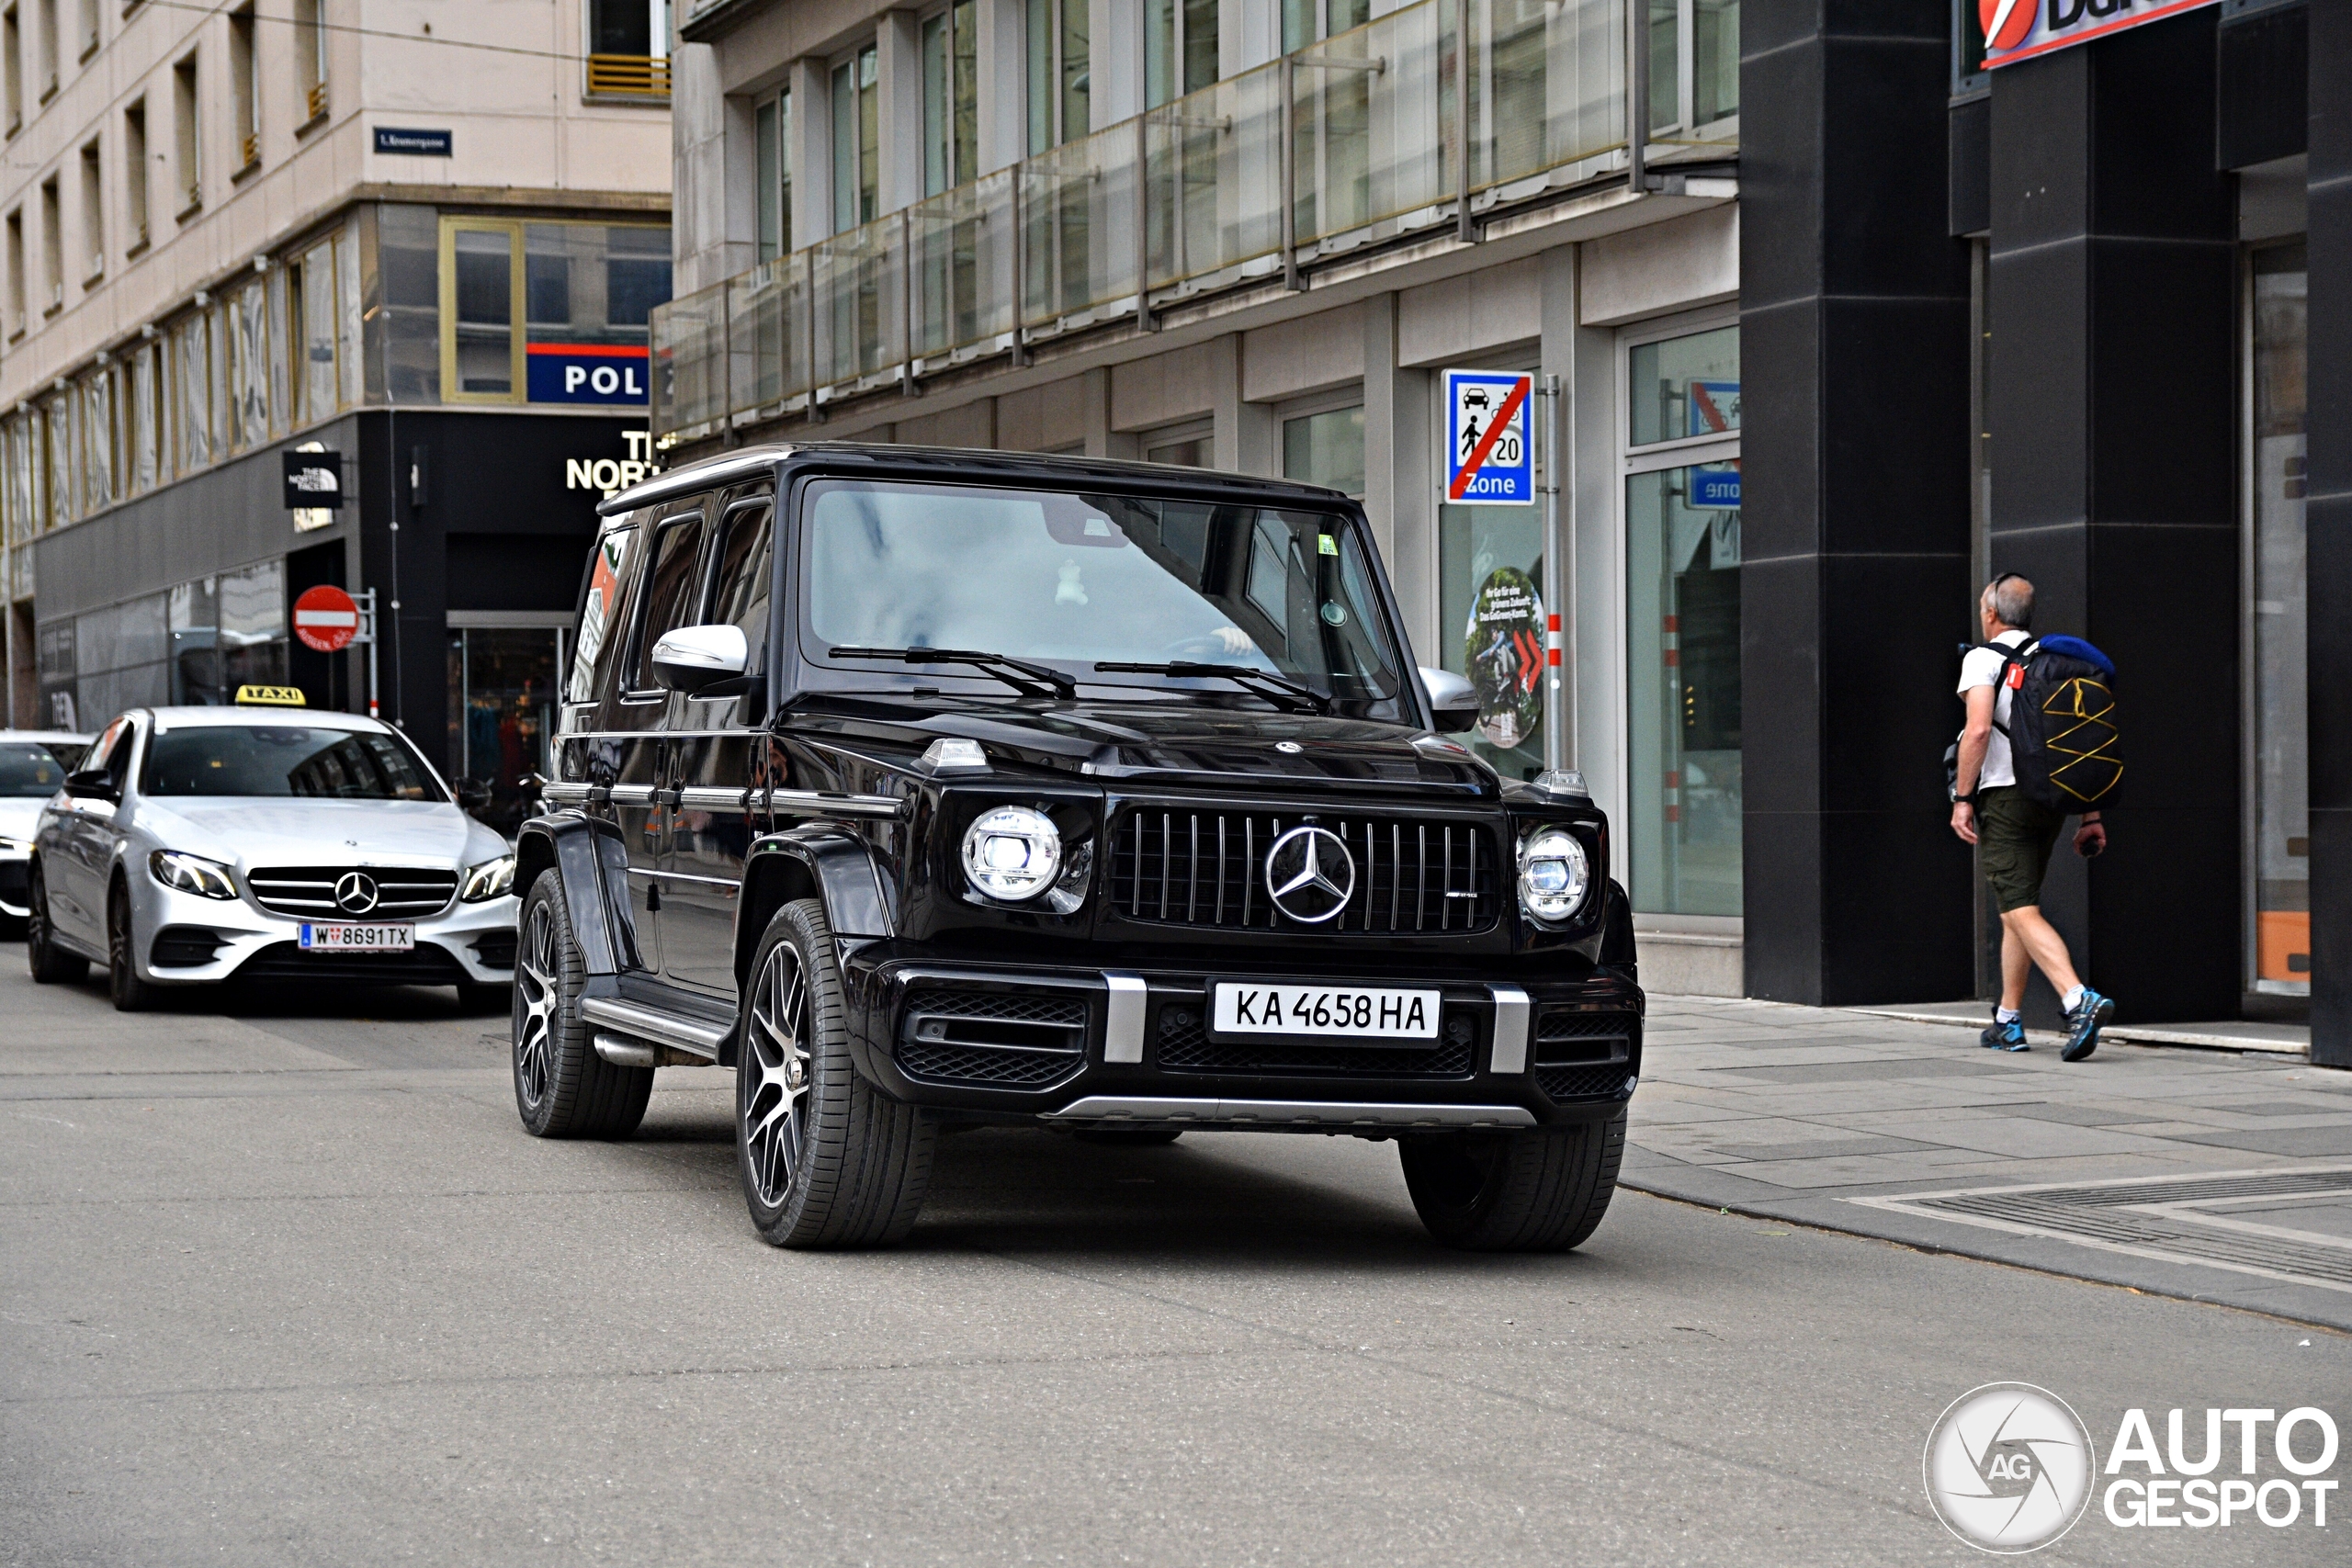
{"x": 1352, "y": 1013}
{"x": 359, "y": 939}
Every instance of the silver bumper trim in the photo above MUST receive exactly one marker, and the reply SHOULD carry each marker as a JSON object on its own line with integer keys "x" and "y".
{"x": 1511, "y": 1012}
{"x": 1123, "y": 1018}
{"x": 1288, "y": 1112}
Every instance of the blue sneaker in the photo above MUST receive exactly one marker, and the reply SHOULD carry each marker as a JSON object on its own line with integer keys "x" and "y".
{"x": 1999, "y": 1036}
{"x": 2082, "y": 1025}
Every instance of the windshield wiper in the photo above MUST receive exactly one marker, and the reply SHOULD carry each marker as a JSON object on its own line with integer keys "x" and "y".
{"x": 1281, "y": 691}
{"x": 1029, "y": 680}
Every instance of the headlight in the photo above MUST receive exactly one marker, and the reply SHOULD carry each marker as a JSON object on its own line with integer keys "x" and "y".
{"x": 192, "y": 874}
{"x": 489, "y": 879}
{"x": 1012, "y": 852}
{"x": 1553, "y": 874}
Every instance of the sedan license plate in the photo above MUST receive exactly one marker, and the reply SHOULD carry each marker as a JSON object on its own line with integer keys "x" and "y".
{"x": 358, "y": 939}
{"x": 1353, "y": 1013}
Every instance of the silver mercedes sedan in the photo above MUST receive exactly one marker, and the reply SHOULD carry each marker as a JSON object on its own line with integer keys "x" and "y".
{"x": 201, "y": 844}
{"x": 33, "y": 762}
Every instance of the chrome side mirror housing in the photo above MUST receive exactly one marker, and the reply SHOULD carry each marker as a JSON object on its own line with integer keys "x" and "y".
{"x": 693, "y": 658}
{"x": 1454, "y": 701}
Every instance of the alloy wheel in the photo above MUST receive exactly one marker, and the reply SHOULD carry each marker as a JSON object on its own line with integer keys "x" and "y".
{"x": 776, "y": 1077}
{"x": 536, "y": 979}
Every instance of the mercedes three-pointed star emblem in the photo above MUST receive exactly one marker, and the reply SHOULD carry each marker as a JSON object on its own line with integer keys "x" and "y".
{"x": 1310, "y": 876}
{"x": 354, "y": 892}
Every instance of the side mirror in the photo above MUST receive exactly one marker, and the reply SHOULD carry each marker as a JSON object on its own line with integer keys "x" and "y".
{"x": 473, "y": 795}
{"x": 692, "y": 658}
{"x": 1453, "y": 700}
{"x": 93, "y": 784}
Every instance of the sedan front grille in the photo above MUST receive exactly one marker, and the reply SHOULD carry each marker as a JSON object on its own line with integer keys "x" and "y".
{"x": 307, "y": 892}
{"x": 1207, "y": 869}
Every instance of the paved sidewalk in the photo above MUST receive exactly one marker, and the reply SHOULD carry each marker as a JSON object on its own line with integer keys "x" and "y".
{"x": 2212, "y": 1174}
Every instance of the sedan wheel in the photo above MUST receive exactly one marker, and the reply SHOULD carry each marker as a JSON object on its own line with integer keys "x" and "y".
{"x": 563, "y": 1088}
{"x": 130, "y": 993}
{"x": 50, "y": 964}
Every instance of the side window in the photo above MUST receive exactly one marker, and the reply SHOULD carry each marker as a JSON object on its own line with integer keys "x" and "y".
{"x": 117, "y": 760}
{"x": 739, "y": 596}
{"x": 602, "y": 608}
{"x": 669, "y": 589}
{"x": 102, "y": 755}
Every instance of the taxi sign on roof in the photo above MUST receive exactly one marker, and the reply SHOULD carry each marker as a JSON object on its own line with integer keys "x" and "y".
{"x": 270, "y": 697}
{"x": 1489, "y": 461}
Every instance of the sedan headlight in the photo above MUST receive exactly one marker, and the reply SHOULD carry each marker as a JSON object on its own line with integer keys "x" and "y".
{"x": 1553, "y": 874}
{"x": 185, "y": 873}
{"x": 489, "y": 879}
{"x": 1012, "y": 852}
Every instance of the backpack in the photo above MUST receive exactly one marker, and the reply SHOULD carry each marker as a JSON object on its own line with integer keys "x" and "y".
{"x": 2065, "y": 743}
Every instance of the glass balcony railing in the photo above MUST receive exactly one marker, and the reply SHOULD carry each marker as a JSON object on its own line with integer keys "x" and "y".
{"x": 1363, "y": 137}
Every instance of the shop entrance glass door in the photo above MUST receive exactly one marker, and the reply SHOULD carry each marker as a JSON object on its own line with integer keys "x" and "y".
{"x": 502, "y": 702}
{"x": 2281, "y": 862}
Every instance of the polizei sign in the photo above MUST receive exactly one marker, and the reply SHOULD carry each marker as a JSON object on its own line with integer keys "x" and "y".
{"x": 2020, "y": 29}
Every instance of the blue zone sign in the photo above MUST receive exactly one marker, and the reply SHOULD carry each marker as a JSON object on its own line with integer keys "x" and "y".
{"x": 1714, "y": 489}
{"x": 585, "y": 373}
{"x": 1488, "y": 460}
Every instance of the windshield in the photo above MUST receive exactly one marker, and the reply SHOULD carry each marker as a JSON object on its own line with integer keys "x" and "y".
{"x": 30, "y": 768}
{"x": 1070, "y": 580}
{"x": 285, "y": 760}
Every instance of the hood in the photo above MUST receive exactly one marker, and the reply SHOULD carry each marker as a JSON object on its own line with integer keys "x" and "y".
{"x": 20, "y": 815}
{"x": 273, "y": 831}
{"x": 1194, "y": 744}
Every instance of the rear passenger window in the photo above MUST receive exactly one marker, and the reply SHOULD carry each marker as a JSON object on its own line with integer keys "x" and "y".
{"x": 741, "y": 599}
{"x": 601, "y": 609}
{"x": 669, "y": 584}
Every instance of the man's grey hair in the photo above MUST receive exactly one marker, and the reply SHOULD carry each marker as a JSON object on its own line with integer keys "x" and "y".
{"x": 2011, "y": 599}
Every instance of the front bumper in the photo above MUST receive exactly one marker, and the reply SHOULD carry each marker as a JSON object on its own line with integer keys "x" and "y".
{"x": 185, "y": 939}
{"x": 1089, "y": 1047}
{"x": 15, "y": 867}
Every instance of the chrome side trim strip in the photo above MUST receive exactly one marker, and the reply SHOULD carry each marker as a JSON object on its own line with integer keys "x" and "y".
{"x": 1511, "y": 1015}
{"x": 631, "y": 795}
{"x": 816, "y": 802}
{"x": 623, "y": 1052}
{"x": 1123, "y": 1018}
{"x": 1288, "y": 1112}
{"x": 700, "y": 797}
{"x": 700, "y": 1039}
{"x": 564, "y": 794}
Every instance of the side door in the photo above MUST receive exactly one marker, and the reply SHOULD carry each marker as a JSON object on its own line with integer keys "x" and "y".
{"x": 718, "y": 755}
{"x": 77, "y": 882}
{"x": 637, "y": 722}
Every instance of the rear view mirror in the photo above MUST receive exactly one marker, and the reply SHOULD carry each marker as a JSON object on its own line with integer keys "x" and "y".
{"x": 1454, "y": 701}
{"x": 473, "y": 795}
{"x": 693, "y": 658}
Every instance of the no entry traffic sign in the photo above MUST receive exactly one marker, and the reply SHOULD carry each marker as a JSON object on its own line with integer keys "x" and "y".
{"x": 326, "y": 619}
{"x": 1488, "y": 460}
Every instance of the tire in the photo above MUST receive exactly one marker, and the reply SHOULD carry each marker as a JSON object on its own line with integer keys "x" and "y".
{"x": 130, "y": 993}
{"x": 1543, "y": 1190}
{"x": 51, "y": 964}
{"x": 562, "y": 1089}
{"x": 827, "y": 1160}
{"x": 1131, "y": 1137}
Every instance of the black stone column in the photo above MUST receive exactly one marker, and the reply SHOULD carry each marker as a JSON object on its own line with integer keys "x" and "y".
{"x": 2111, "y": 399}
{"x": 2327, "y": 513}
{"x": 1854, "y": 342}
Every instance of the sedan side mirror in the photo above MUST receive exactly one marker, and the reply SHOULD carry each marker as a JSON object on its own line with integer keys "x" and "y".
{"x": 1453, "y": 700}
{"x": 473, "y": 795}
{"x": 692, "y": 658}
{"x": 93, "y": 784}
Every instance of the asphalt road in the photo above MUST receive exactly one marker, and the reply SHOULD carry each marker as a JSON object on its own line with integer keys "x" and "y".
{"x": 292, "y": 1286}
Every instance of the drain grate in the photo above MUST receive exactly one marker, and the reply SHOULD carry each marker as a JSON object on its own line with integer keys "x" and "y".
{"x": 2175, "y": 1219}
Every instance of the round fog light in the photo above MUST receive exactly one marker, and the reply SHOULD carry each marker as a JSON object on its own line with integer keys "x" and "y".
{"x": 1012, "y": 852}
{"x": 1553, "y": 874}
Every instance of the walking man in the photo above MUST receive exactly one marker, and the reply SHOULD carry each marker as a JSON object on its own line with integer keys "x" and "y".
{"x": 2014, "y": 834}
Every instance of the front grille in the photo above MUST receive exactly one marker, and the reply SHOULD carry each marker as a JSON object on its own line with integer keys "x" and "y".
{"x": 1183, "y": 1046}
{"x": 428, "y": 965}
{"x": 1583, "y": 1083}
{"x": 996, "y": 1039}
{"x": 307, "y": 892}
{"x": 1566, "y": 1023}
{"x": 1207, "y": 869}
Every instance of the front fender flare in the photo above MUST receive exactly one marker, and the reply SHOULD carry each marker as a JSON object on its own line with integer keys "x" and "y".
{"x": 592, "y": 861}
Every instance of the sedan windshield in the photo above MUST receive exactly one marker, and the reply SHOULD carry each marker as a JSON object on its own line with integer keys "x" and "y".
{"x": 299, "y": 761}
{"x": 1074, "y": 581}
{"x": 29, "y": 770}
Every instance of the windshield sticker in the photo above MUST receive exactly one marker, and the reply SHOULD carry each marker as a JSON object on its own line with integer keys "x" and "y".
{"x": 1070, "y": 591}
{"x": 1503, "y": 654}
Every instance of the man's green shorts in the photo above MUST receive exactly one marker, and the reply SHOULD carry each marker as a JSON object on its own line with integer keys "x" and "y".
{"x": 2014, "y": 837}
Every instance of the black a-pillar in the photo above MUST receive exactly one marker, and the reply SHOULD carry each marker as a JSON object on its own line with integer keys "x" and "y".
{"x": 1854, "y": 342}
{"x": 2111, "y": 398}
{"x": 2327, "y": 515}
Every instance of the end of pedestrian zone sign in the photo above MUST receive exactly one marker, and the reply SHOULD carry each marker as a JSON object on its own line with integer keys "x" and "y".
{"x": 1490, "y": 461}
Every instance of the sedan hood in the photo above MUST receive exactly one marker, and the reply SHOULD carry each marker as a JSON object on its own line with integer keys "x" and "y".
{"x": 21, "y": 817}
{"x": 255, "y": 832}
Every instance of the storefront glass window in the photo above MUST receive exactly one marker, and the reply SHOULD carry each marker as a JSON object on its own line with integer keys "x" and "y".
{"x": 2282, "y": 866}
{"x": 1682, "y": 386}
{"x": 1491, "y": 627}
{"x": 1326, "y": 450}
{"x": 502, "y": 700}
{"x": 226, "y": 632}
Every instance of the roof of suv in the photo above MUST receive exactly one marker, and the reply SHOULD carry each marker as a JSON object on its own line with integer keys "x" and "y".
{"x": 970, "y": 462}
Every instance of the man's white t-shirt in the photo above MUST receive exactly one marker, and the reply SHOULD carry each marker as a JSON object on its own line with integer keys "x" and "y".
{"x": 1983, "y": 667}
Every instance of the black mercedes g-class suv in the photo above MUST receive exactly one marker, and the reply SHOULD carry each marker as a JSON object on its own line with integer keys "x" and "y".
{"x": 928, "y": 788}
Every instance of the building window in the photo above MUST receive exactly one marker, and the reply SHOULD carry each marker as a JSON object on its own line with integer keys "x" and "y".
{"x": 548, "y": 312}
{"x": 1058, "y": 64}
{"x": 772, "y": 126}
{"x": 94, "y": 213}
{"x": 12, "y": 70}
{"x": 187, "y": 145}
{"x": 313, "y": 332}
{"x": 2276, "y": 643}
{"x": 248, "y": 365}
{"x": 88, "y": 29}
{"x": 17, "y": 271}
{"x": 1490, "y": 615}
{"x": 1968, "y": 74}
{"x": 1190, "y": 446}
{"x": 628, "y": 48}
{"x": 144, "y": 469}
{"x": 244, "y": 88}
{"x": 951, "y": 97}
{"x": 1178, "y": 48}
{"x": 1326, "y": 448}
{"x": 1702, "y": 80}
{"x": 192, "y": 364}
{"x": 134, "y": 176}
{"x": 45, "y": 39}
{"x": 857, "y": 157}
{"x": 1682, "y": 615}
{"x": 1311, "y": 21}
{"x": 481, "y": 304}
{"x": 52, "y": 250}
{"x": 310, "y": 58}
